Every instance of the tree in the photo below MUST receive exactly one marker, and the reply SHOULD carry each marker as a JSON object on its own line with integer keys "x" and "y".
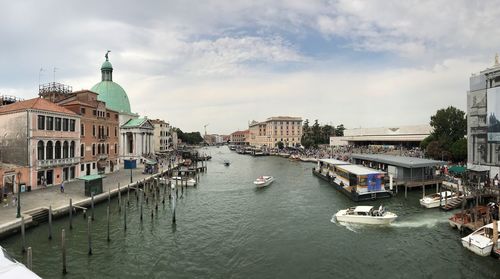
{"x": 435, "y": 150}
{"x": 189, "y": 138}
{"x": 316, "y": 132}
{"x": 339, "y": 131}
{"x": 424, "y": 143}
{"x": 280, "y": 145}
{"x": 449, "y": 125}
{"x": 459, "y": 150}
{"x": 327, "y": 131}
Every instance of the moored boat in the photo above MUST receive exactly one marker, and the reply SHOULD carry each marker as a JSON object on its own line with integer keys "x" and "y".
{"x": 365, "y": 215}
{"x": 480, "y": 242}
{"x": 263, "y": 181}
{"x": 437, "y": 199}
{"x": 178, "y": 180}
{"x": 10, "y": 268}
{"x": 459, "y": 219}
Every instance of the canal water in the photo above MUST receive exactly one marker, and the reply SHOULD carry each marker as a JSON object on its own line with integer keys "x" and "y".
{"x": 226, "y": 228}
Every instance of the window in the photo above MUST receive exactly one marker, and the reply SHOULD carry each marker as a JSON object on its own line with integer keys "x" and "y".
{"x": 58, "y": 149}
{"x": 41, "y": 122}
{"x": 49, "y": 154}
{"x": 65, "y": 124}
{"x": 82, "y": 111}
{"x": 82, "y": 129}
{"x": 40, "y": 150}
{"x": 116, "y": 116}
{"x": 107, "y": 114}
{"x": 50, "y": 123}
{"x": 72, "y": 149}
{"x": 93, "y": 130}
{"x": 72, "y": 173}
{"x": 93, "y": 149}
{"x": 72, "y": 123}
{"x": 116, "y": 131}
{"x": 93, "y": 166}
{"x": 107, "y": 131}
{"x": 65, "y": 149}
{"x": 82, "y": 167}
{"x": 107, "y": 148}
{"x": 94, "y": 112}
{"x": 116, "y": 148}
{"x": 82, "y": 150}
{"x": 58, "y": 124}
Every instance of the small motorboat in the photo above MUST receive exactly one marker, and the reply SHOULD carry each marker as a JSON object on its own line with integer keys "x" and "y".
{"x": 437, "y": 199}
{"x": 227, "y": 163}
{"x": 481, "y": 241}
{"x": 459, "y": 219}
{"x": 263, "y": 181}
{"x": 10, "y": 268}
{"x": 365, "y": 215}
{"x": 179, "y": 181}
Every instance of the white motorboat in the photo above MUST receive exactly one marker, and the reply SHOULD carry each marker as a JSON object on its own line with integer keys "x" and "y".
{"x": 365, "y": 215}
{"x": 263, "y": 181}
{"x": 434, "y": 200}
{"x": 481, "y": 241}
{"x": 10, "y": 268}
{"x": 179, "y": 181}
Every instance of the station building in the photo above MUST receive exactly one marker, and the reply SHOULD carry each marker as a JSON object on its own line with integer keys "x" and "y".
{"x": 407, "y": 136}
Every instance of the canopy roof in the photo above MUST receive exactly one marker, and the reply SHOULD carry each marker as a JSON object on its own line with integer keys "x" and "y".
{"x": 400, "y": 161}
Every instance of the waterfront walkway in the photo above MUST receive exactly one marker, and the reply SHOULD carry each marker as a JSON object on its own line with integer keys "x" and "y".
{"x": 51, "y": 196}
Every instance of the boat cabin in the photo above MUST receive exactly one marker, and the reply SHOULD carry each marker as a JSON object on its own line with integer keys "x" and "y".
{"x": 326, "y": 167}
{"x": 359, "y": 179}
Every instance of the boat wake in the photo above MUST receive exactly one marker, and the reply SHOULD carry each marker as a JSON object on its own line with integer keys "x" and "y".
{"x": 429, "y": 223}
{"x": 351, "y": 227}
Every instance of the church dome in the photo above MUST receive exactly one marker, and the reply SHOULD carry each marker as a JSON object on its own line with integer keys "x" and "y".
{"x": 111, "y": 92}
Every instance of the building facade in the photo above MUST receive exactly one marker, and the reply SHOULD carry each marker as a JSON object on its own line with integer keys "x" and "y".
{"x": 483, "y": 126}
{"x": 42, "y": 139}
{"x": 239, "y": 137}
{"x": 162, "y": 136}
{"x": 269, "y": 133}
{"x": 99, "y": 132}
{"x": 137, "y": 137}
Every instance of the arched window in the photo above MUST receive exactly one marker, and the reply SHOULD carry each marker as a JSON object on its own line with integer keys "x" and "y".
{"x": 40, "y": 150}
{"x": 82, "y": 150}
{"x": 49, "y": 154}
{"x": 98, "y": 149}
{"x": 58, "y": 150}
{"x": 72, "y": 149}
{"x": 107, "y": 148}
{"x": 65, "y": 149}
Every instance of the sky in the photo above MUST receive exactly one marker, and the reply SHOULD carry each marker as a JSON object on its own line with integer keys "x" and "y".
{"x": 226, "y": 63}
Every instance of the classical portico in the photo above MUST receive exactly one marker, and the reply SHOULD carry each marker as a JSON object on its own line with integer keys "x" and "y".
{"x": 137, "y": 138}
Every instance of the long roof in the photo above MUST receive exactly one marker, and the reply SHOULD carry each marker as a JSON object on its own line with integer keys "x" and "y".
{"x": 333, "y": 162}
{"x": 35, "y": 103}
{"x": 400, "y": 161}
{"x": 359, "y": 170}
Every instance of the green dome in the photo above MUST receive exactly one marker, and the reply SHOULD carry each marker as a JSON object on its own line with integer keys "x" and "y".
{"x": 113, "y": 94}
{"x": 106, "y": 65}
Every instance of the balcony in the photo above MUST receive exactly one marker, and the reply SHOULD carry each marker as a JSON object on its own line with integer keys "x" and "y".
{"x": 58, "y": 162}
{"x": 103, "y": 138}
{"x": 102, "y": 156}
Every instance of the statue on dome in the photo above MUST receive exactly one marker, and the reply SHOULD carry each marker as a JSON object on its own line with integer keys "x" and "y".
{"x": 106, "y": 55}
{"x": 496, "y": 59}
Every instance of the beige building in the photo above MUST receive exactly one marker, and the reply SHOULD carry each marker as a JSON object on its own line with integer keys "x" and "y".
{"x": 162, "y": 136}
{"x": 269, "y": 133}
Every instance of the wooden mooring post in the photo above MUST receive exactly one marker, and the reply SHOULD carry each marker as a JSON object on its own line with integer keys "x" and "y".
{"x": 50, "y": 222}
{"x": 92, "y": 205}
{"x": 70, "y": 214}
{"x": 29, "y": 259}
{"x": 125, "y": 219}
{"x": 23, "y": 235}
{"x": 63, "y": 251}
{"x": 119, "y": 198}
{"x": 89, "y": 232}
{"x": 107, "y": 221}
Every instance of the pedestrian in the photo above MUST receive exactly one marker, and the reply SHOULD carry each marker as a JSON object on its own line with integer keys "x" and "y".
{"x": 62, "y": 187}
{"x": 14, "y": 200}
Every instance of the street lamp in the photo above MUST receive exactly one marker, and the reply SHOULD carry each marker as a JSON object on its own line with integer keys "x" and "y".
{"x": 18, "y": 195}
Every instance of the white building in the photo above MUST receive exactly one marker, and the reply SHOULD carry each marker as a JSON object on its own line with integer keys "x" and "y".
{"x": 396, "y": 136}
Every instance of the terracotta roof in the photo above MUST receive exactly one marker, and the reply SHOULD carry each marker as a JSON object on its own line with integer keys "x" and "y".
{"x": 36, "y": 103}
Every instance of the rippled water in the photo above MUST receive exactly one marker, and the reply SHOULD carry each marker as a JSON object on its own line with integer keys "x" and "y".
{"x": 226, "y": 228}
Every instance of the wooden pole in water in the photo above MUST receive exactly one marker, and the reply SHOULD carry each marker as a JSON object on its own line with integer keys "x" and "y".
{"x": 92, "y": 204}
{"x": 119, "y": 198}
{"x": 128, "y": 195}
{"x": 141, "y": 198}
{"x": 109, "y": 196}
{"x": 29, "y": 260}
{"x": 23, "y": 234}
{"x": 50, "y": 222}
{"x": 89, "y": 220}
{"x": 495, "y": 235}
{"x": 107, "y": 220}
{"x": 125, "y": 219}
{"x": 63, "y": 250}
{"x": 70, "y": 214}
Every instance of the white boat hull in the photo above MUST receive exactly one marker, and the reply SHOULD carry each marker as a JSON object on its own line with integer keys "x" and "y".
{"x": 263, "y": 183}
{"x": 435, "y": 203}
{"x": 388, "y": 218}
{"x": 481, "y": 251}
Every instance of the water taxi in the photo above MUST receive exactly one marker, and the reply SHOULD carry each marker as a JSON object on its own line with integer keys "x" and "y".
{"x": 481, "y": 241}
{"x": 437, "y": 199}
{"x": 357, "y": 182}
{"x": 227, "y": 163}
{"x": 366, "y": 215}
{"x": 178, "y": 180}
{"x": 263, "y": 181}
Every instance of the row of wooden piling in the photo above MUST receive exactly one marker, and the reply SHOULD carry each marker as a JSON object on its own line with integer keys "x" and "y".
{"x": 149, "y": 187}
